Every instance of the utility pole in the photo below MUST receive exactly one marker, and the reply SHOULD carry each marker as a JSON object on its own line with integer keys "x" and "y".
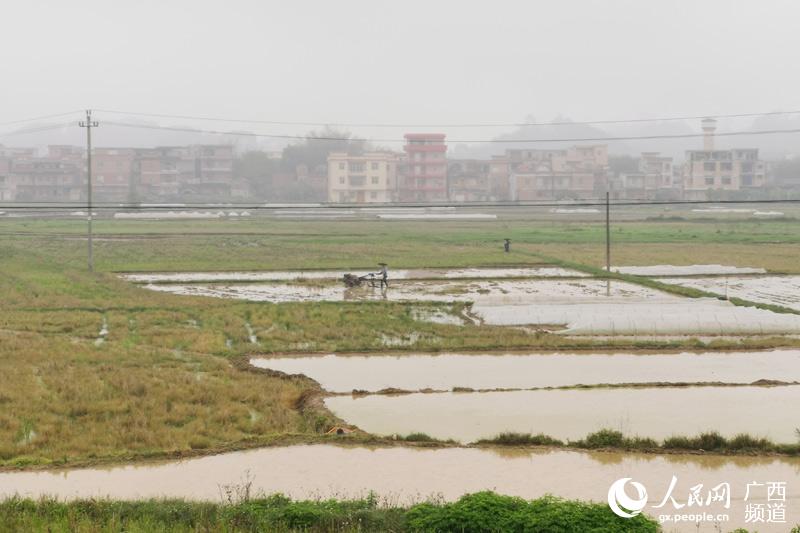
{"x": 89, "y": 124}
{"x": 608, "y": 234}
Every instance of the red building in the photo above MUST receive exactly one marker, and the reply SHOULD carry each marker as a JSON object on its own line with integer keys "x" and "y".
{"x": 424, "y": 173}
{"x": 113, "y": 173}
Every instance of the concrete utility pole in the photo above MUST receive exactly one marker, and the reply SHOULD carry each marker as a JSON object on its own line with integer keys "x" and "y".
{"x": 608, "y": 234}
{"x": 89, "y": 124}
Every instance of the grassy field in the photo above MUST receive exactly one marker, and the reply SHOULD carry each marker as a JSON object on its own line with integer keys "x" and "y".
{"x": 266, "y": 243}
{"x": 161, "y": 382}
{"x": 483, "y": 511}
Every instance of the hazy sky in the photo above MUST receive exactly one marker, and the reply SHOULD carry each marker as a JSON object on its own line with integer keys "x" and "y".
{"x": 404, "y": 61}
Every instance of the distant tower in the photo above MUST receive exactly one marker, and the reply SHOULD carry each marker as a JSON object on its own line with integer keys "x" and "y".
{"x": 709, "y": 127}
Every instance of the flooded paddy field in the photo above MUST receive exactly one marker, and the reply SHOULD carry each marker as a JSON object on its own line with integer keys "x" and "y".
{"x": 407, "y": 475}
{"x": 656, "y": 413}
{"x": 291, "y": 275}
{"x": 776, "y": 290}
{"x": 486, "y": 292}
{"x": 580, "y": 306}
{"x": 686, "y": 270}
{"x": 413, "y": 372}
{"x": 667, "y": 317}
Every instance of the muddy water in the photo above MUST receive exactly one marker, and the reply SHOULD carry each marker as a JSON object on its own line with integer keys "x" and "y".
{"x": 407, "y": 475}
{"x": 582, "y": 306}
{"x": 289, "y": 275}
{"x": 484, "y": 292}
{"x": 686, "y": 270}
{"x": 776, "y": 290}
{"x": 679, "y": 316}
{"x": 344, "y": 373}
{"x": 572, "y": 414}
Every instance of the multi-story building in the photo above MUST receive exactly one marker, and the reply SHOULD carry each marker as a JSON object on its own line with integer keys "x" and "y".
{"x": 161, "y": 171}
{"x": 468, "y": 180}
{"x": 367, "y": 178}
{"x": 58, "y": 176}
{"x": 654, "y": 180}
{"x": 113, "y": 174}
{"x": 213, "y": 175}
{"x": 194, "y": 172}
{"x": 709, "y": 171}
{"x": 424, "y": 171}
{"x": 8, "y": 183}
{"x": 532, "y": 174}
{"x": 121, "y": 174}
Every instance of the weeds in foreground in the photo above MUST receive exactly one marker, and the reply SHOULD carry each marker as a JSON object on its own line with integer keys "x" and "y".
{"x": 479, "y": 512}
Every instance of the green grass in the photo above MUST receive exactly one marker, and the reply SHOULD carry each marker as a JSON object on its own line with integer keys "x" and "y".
{"x": 711, "y": 442}
{"x": 265, "y": 243}
{"x": 163, "y": 384}
{"x": 479, "y": 512}
{"x": 522, "y": 439}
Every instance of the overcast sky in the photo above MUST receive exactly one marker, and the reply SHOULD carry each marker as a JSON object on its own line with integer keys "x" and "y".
{"x": 406, "y": 61}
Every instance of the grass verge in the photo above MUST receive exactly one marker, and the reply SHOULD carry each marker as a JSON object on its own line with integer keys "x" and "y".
{"x": 479, "y": 512}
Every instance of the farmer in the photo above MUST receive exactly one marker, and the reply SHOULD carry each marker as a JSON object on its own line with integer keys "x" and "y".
{"x": 507, "y": 245}
{"x": 383, "y": 273}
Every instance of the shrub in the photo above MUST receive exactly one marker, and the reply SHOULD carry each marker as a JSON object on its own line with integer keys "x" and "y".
{"x": 522, "y": 439}
{"x": 487, "y": 511}
{"x": 605, "y": 438}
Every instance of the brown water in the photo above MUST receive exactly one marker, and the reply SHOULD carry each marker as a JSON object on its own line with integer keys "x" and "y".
{"x": 406, "y": 475}
{"x": 572, "y": 414}
{"x": 485, "y": 292}
{"x": 288, "y": 275}
{"x": 583, "y": 306}
{"x": 344, "y": 373}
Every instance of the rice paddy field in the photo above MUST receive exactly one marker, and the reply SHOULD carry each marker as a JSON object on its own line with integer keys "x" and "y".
{"x": 114, "y": 368}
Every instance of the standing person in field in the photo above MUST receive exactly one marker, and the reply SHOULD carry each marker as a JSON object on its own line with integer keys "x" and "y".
{"x": 383, "y": 273}
{"x": 507, "y": 245}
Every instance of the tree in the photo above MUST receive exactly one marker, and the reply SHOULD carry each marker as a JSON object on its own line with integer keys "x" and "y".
{"x": 257, "y": 168}
{"x": 787, "y": 172}
{"x": 314, "y": 150}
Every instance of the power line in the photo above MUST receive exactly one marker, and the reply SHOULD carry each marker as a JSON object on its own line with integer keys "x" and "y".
{"x": 461, "y": 125}
{"x": 41, "y": 117}
{"x": 457, "y": 141}
{"x": 465, "y": 205}
{"x": 35, "y": 130}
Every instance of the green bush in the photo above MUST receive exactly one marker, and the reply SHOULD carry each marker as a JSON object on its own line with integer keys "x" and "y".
{"x": 522, "y": 439}
{"x": 605, "y": 438}
{"x": 489, "y": 512}
{"x": 483, "y": 511}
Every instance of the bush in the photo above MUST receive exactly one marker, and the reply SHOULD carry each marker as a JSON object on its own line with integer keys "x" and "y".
{"x": 487, "y": 511}
{"x": 605, "y": 438}
{"x": 483, "y": 511}
{"x": 418, "y": 437}
{"x": 522, "y": 439}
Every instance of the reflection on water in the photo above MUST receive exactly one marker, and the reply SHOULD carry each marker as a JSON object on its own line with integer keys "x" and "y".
{"x": 344, "y": 373}
{"x": 776, "y": 290}
{"x": 572, "y": 414}
{"x": 288, "y": 275}
{"x": 615, "y": 308}
{"x": 409, "y": 475}
{"x": 486, "y": 292}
